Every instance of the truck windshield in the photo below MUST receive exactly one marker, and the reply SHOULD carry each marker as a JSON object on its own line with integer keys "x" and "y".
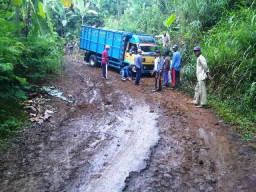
{"x": 148, "y": 49}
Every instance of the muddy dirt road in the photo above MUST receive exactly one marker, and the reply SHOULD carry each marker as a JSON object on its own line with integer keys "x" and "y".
{"x": 118, "y": 137}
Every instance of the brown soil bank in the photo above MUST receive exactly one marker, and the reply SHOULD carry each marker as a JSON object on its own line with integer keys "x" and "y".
{"x": 118, "y": 137}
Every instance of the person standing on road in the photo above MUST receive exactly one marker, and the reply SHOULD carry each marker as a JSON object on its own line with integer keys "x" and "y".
{"x": 175, "y": 67}
{"x": 158, "y": 68}
{"x": 138, "y": 65}
{"x": 104, "y": 61}
{"x": 70, "y": 48}
{"x": 166, "y": 68}
{"x": 202, "y": 73}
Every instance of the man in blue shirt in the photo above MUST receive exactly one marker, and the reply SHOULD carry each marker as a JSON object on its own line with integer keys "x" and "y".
{"x": 126, "y": 72}
{"x": 158, "y": 68}
{"x": 132, "y": 50}
{"x": 175, "y": 67}
{"x": 138, "y": 65}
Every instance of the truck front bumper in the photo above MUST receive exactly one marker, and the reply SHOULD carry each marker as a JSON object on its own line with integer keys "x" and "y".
{"x": 148, "y": 69}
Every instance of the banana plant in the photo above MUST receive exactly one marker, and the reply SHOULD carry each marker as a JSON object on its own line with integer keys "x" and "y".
{"x": 83, "y": 8}
{"x": 170, "y": 20}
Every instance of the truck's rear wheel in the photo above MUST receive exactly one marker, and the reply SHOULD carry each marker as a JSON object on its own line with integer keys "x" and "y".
{"x": 86, "y": 57}
{"x": 93, "y": 61}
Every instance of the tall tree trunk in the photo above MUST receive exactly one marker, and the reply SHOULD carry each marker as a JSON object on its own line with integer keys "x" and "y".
{"x": 82, "y": 19}
{"x": 119, "y": 10}
{"x": 27, "y": 19}
{"x": 17, "y": 18}
{"x": 17, "y": 15}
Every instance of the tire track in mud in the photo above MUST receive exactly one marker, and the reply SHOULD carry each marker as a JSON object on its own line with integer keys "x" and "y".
{"x": 134, "y": 136}
{"x": 133, "y": 133}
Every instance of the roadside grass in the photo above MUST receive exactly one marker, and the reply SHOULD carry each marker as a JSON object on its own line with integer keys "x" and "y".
{"x": 242, "y": 119}
{"x": 229, "y": 111}
{"x": 12, "y": 118}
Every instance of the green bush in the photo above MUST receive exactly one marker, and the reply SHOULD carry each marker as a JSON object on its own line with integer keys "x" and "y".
{"x": 230, "y": 50}
{"x": 23, "y": 61}
{"x": 42, "y": 58}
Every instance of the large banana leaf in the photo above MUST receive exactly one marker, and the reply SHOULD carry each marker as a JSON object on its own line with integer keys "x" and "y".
{"x": 41, "y": 11}
{"x": 17, "y": 2}
{"x": 168, "y": 22}
{"x": 41, "y": 24}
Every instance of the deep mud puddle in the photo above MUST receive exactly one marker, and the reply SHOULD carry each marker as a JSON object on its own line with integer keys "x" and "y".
{"x": 133, "y": 134}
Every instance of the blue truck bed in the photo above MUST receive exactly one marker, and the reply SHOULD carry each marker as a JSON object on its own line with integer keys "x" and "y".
{"x": 95, "y": 39}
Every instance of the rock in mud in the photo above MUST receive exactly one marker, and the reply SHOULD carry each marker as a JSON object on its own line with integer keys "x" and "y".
{"x": 108, "y": 103}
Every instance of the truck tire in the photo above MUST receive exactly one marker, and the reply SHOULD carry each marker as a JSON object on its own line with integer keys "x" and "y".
{"x": 86, "y": 57}
{"x": 93, "y": 61}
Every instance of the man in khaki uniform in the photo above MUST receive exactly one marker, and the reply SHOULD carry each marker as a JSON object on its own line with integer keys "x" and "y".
{"x": 202, "y": 73}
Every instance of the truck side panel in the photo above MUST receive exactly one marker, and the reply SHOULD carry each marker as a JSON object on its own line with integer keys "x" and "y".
{"x": 94, "y": 40}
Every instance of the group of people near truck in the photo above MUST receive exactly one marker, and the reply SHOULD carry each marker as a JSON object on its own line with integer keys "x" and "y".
{"x": 163, "y": 66}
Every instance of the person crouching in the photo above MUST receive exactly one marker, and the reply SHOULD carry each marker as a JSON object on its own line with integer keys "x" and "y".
{"x": 126, "y": 72}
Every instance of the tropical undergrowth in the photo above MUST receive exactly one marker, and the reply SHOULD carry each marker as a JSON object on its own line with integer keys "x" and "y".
{"x": 24, "y": 61}
{"x": 230, "y": 51}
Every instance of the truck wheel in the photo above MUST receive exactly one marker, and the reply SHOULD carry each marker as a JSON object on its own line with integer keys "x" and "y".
{"x": 93, "y": 61}
{"x": 86, "y": 57}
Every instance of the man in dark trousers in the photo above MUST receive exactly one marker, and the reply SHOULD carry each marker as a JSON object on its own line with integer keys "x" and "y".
{"x": 71, "y": 48}
{"x": 104, "y": 61}
{"x": 138, "y": 65}
{"x": 158, "y": 69}
{"x": 166, "y": 68}
{"x": 175, "y": 67}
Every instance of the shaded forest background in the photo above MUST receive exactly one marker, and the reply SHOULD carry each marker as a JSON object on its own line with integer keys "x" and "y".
{"x": 33, "y": 35}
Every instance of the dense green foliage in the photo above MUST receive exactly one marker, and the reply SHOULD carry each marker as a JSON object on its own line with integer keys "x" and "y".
{"x": 229, "y": 47}
{"x": 28, "y": 54}
{"x": 142, "y": 18}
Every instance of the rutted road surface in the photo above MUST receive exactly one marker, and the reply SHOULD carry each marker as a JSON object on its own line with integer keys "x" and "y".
{"x": 118, "y": 137}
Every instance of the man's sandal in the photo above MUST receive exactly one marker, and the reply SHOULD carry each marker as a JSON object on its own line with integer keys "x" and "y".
{"x": 202, "y": 106}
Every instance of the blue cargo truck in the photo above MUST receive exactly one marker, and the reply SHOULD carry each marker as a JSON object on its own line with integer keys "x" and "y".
{"x": 93, "y": 41}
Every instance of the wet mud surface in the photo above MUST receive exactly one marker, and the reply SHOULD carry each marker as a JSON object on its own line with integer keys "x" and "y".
{"x": 118, "y": 137}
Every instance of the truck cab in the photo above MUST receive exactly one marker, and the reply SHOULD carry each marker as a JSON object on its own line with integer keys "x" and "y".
{"x": 148, "y": 46}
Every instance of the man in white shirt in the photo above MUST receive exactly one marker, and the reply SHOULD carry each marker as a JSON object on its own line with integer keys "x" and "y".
{"x": 202, "y": 73}
{"x": 166, "y": 39}
{"x": 158, "y": 68}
